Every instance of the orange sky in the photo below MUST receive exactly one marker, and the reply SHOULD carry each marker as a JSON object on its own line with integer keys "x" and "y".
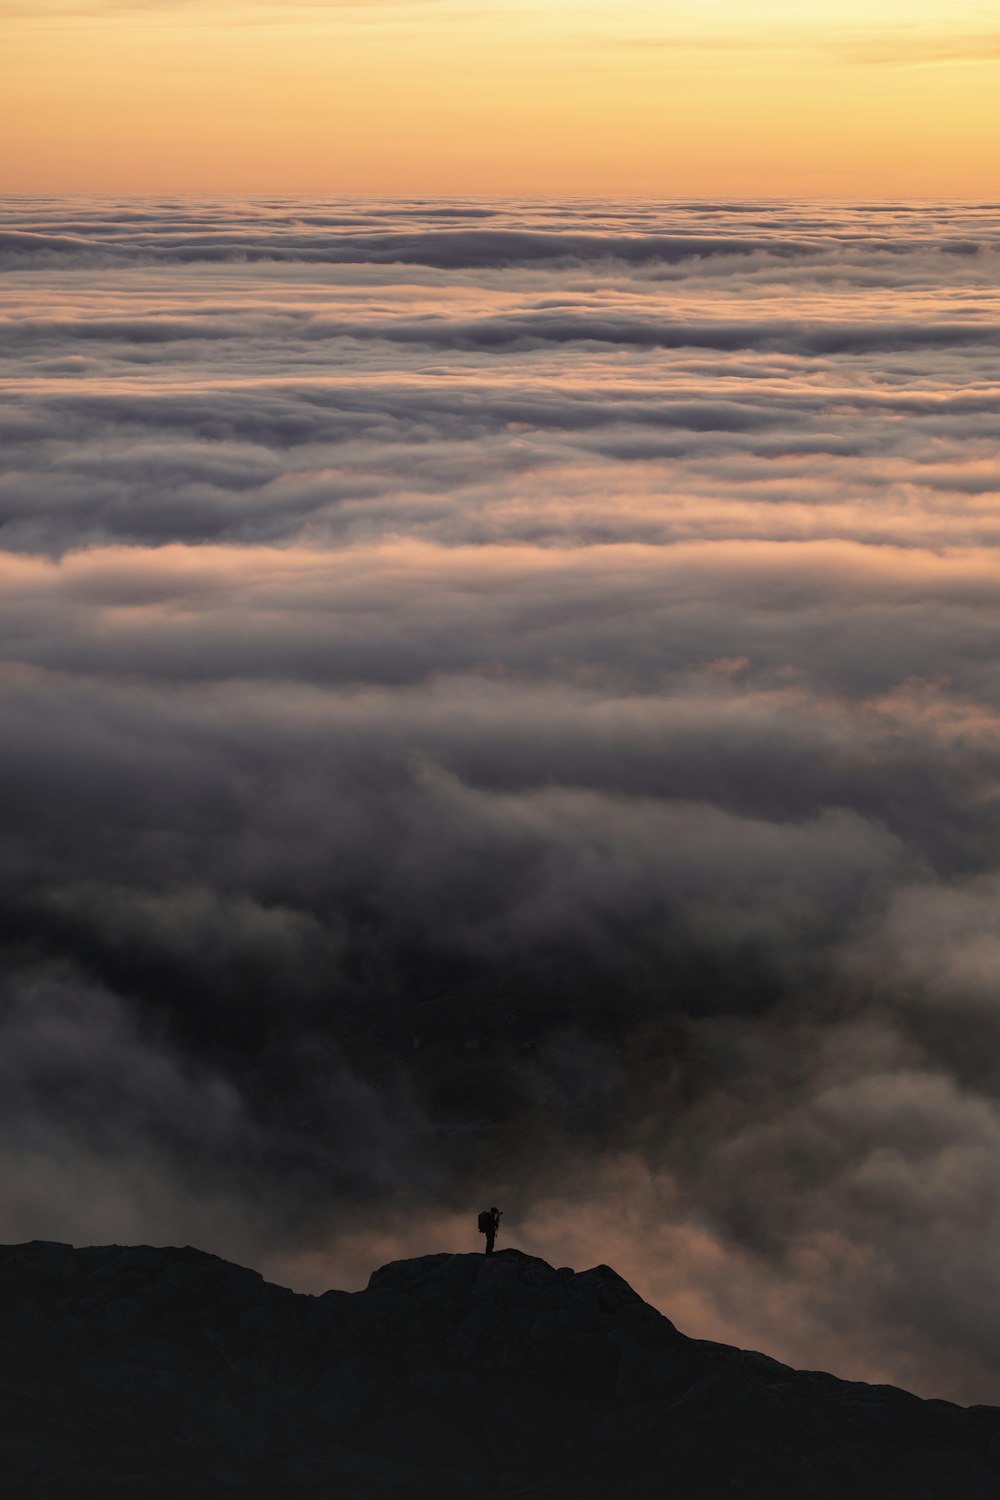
{"x": 858, "y": 98}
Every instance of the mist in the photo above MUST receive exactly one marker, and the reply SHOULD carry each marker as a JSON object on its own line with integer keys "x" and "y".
{"x": 499, "y": 703}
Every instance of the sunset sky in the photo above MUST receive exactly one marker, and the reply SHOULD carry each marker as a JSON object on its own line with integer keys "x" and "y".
{"x": 862, "y": 98}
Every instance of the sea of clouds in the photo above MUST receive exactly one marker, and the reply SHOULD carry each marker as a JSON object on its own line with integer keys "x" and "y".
{"x": 502, "y": 703}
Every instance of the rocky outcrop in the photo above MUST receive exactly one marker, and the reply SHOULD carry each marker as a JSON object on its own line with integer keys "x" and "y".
{"x": 145, "y": 1374}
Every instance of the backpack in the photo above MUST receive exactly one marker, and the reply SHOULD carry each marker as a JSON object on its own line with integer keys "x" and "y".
{"x": 485, "y": 1221}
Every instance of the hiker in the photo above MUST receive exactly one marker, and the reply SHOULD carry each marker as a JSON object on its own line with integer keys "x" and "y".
{"x": 489, "y": 1223}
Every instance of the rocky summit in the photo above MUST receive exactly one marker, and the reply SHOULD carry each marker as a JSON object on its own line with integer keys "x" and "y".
{"x": 147, "y": 1373}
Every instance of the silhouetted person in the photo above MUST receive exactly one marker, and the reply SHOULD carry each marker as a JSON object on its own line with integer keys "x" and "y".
{"x": 489, "y": 1223}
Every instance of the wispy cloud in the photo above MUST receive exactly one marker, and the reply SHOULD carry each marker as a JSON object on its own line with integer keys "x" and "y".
{"x": 901, "y": 49}
{"x": 123, "y": 10}
{"x": 901, "y": 46}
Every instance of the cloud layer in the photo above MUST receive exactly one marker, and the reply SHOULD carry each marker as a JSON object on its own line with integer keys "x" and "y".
{"x": 503, "y": 702}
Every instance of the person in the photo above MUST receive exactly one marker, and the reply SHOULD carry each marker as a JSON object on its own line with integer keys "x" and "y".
{"x": 489, "y": 1223}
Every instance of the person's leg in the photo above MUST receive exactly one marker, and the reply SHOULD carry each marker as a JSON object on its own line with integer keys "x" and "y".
{"x": 490, "y": 1237}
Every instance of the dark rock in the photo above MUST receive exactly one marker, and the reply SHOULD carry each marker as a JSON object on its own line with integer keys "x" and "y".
{"x": 150, "y": 1374}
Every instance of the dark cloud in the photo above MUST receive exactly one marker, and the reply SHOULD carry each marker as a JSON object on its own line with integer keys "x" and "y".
{"x": 511, "y": 708}
{"x": 522, "y": 331}
{"x": 410, "y": 233}
{"x": 459, "y": 249}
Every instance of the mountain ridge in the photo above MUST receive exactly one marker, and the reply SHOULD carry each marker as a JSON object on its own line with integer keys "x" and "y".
{"x": 144, "y": 1372}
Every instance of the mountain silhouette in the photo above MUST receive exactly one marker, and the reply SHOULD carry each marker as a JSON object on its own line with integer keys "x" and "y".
{"x": 143, "y": 1374}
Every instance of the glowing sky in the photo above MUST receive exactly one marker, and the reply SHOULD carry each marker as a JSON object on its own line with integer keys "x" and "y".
{"x": 865, "y": 97}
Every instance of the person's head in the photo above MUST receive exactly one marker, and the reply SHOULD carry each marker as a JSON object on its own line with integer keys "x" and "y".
{"x": 495, "y": 1210}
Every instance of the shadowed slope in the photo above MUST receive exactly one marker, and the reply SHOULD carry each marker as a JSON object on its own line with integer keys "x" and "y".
{"x": 148, "y": 1373}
